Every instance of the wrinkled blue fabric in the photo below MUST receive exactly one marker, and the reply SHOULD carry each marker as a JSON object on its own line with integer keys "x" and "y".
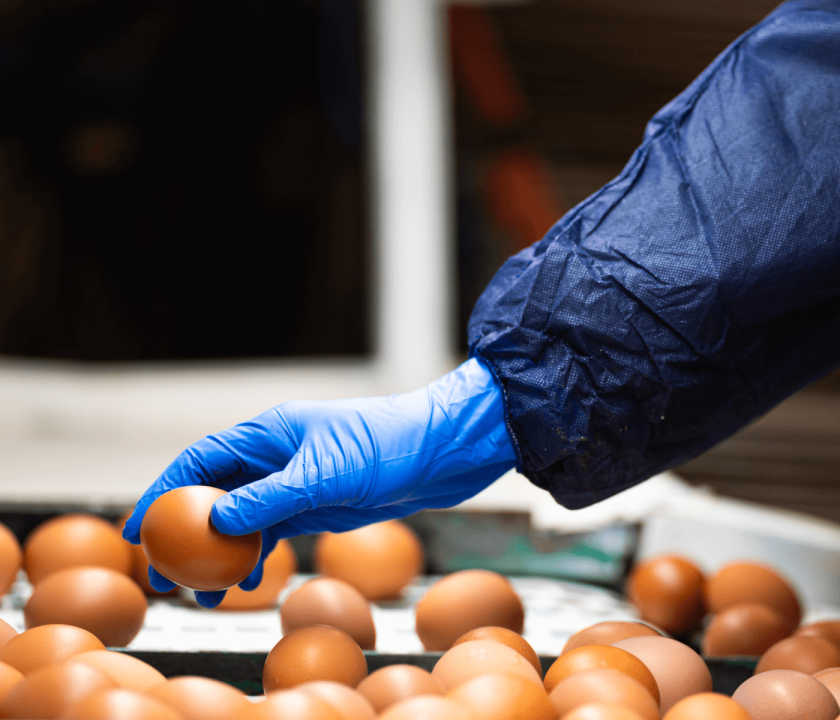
{"x": 695, "y": 291}
{"x": 310, "y": 467}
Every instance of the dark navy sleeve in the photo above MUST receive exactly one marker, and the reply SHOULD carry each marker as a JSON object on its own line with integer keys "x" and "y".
{"x": 695, "y": 291}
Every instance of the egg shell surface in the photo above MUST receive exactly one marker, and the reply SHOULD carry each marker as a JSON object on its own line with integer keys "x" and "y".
{"x": 607, "y": 633}
{"x": 704, "y": 706}
{"x": 803, "y": 653}
{"x": 427, "y": 707}
{"x": 293, "y": 705}
{"x": 11, "y": 558}
{"x": 120, "y": 705}
{"x": 379, "y": 560}
{"x": 464, "y": 601}
{"x": 830, "y": 677}
{"x": 742, "y": 582}
{"x": 605, "y": 685}
{"x": 744, "y": 629}
{"x": 47, "y": 645}
{"x": 393, "y": 683}
{"x": 668, "y": 591}
{"x": 602, "y": 711}
{"x": 278, "y": 567}
{"x": 480, "y": 657}
{"x": 504, "y": 697}
{"x": 105, "y": 602}
{"x": 679, "y": 671}
{"x": 7, "y": 632}
{"x": 49, "y": 691}
{"x": 828, "y": 629}
{"x": 9, "y": 677}
{"x": 126, "y": 671}
{"x": 199, "y": 698}
{"x": 786, "y": 695}
{"x": 349, "y": 703}
{"x": 73, "y": 540}
{"x": 595, "y": 657}
{"x": 312, "y": 653}
{"x": 507, "y": 637}
{"x": 327, "y": 601}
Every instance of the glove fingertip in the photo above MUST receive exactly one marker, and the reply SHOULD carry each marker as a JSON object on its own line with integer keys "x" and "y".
{"x": 159, "y": 582}
{"x": 254, "y": 579}
{"x": 227, "y": 516}
{"x": 209, "y": 600}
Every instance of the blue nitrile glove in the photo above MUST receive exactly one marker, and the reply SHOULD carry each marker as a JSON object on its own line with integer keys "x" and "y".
{"x": 310, "y": 467}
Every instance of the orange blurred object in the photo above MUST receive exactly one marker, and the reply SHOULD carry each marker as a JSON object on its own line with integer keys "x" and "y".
{"x": 47, "y": 645}
{"x": 507, "y": 637}
{"x": 7, "y": 632}
{"x": 704, "y": 706}
{"x": 804, "y": 654}
{"x": 602, "y": 711}
{"x": 480, "y": 657}
{"x": 278, "y": 567}
{"x": 668, "y": 591}
{"x": 349, "y": 703}
{"x": 48, "y": 692}
{"x": 120, "y": 705}
{"x": 394, "y": 683}
{"x": 379, "y": 560}
{"x": 744, "y": 629}
{"x": 607, "y": 633}
{"x": 830, "y": 677}
{"x": 427, "y": 707}
{"x": 742, "y": 582}
{"x": 607, "y": 685}
{"x": 596, "y": 657}
{"x": 11, "y": 559}
{"x": 126, "y": 671}
{"x": 828, "y": 629}
{"x": 522, "y": 196}
{"x": 504, "y": 697}
{"x": 200, "y": 698}
{"x": 482, "y": 67}
{"x": 9, "y": 677}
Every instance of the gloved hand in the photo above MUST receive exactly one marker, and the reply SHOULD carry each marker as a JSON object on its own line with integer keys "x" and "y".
{"x": 310, "y": 467}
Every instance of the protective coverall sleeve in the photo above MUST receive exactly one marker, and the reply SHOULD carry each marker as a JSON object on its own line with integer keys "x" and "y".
{"x": 695, "y": 291}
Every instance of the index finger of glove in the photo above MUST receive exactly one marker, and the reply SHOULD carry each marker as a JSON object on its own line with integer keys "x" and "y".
{"x": 243, "y": 453}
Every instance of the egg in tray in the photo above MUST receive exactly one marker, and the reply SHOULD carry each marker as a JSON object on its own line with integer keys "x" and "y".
{"x": 369, "y": 636}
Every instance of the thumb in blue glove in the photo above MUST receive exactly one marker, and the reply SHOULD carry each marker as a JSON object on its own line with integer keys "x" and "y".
{"x": 310, "y": 467}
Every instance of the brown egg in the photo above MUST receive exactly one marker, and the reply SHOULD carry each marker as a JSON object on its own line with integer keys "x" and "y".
{"x": 427, "y": 707}
{"x": 504, "y": 697}
{"x": 140, "y": 565}
{"x": 786, "y": 695}
{"x": 704, "y": 706}
{"x": 602, "y": 711}
{"x": 394, "y": 683}
{"x": 805, "y": 654}
{"x": 47, "y": 645}
{"x": 199, "y": 698}
{"x": 742, "y": 582}
{"x": 278, "y": 567}
{"x": 378, "y": 560}
{"x": 293, "y": 705}
{"x": 48, "y": 692}
{"x": 107, "y": 603}
{"x": 9, "y": 677}
{"x": 507, "y": 637}
{"x": 607, "y": 633}
{"x": 744, "y": 629}
{"x": 463, "y": 601}
{"x": 349, "y": 703}
{"x": 668, "y": 591}
{"x": 72, "y": 540}
{"x": 11, "y": 558}
{"x": 595, "y": 657}
{"x": 326, "y": 601}
{"x": 830, "y": 677}
{"x": 120, "y": 705}
{"x": 679, "y": 671}
{"x": 604, "y": 685}
{"x": 183, "y": 545}
{"x": 7, "y": 632}
{"x": 479, "y": 657}
{"x": 126, "y": 671}
{"x": 828, "y": 629}
{"x": 314, "y": 653}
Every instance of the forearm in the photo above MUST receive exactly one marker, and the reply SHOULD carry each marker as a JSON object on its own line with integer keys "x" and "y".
{"x": 696, "y": 290}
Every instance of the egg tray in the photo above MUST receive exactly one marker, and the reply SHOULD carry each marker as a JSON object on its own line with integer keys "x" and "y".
{"x": 244, "y": 670}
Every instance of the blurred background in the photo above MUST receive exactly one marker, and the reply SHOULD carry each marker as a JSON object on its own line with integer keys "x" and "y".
{"x": 208, "y": 208}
